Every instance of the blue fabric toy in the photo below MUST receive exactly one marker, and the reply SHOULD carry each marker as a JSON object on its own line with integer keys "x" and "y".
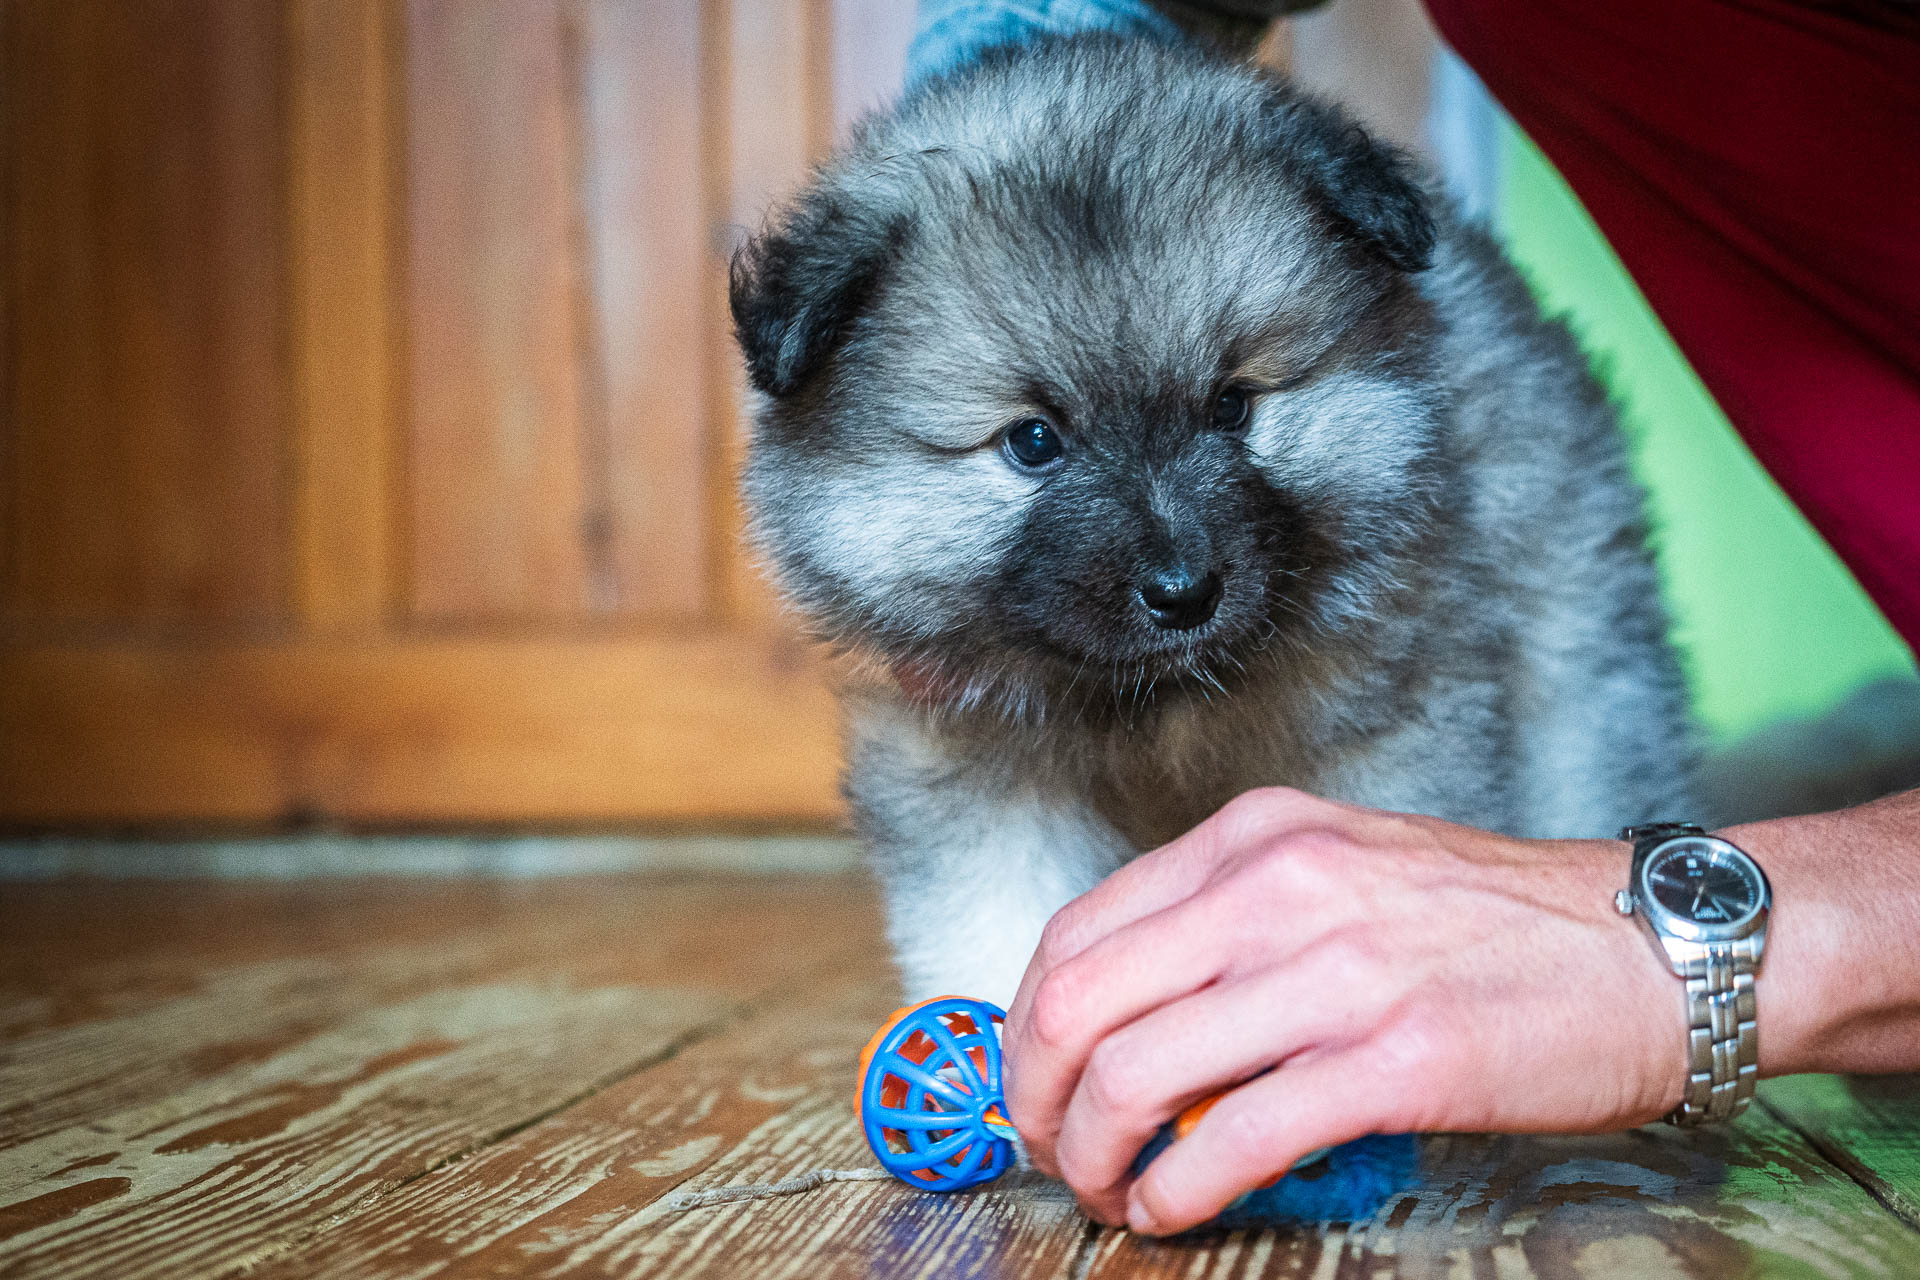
{"x": 930, "y": 1105}
{"x": 1346, "y": 1184}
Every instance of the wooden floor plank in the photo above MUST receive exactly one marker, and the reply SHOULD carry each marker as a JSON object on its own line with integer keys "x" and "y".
{"x": 1868, "y": 1125}
{"x": 600, "y": 1190}
{"x": 525, "y": 1198}
{"x": 78, "y": 949}
{"x": 204, "y": 1128}
{"x": 219, "y": 1172}
{"x": 646, "y": 1076}
{"x": 1652, "y": 1203}
{"x": 612, "y": 1187}
{"x": 175, "y": 1009}
{"x": 1017, "y": 1227}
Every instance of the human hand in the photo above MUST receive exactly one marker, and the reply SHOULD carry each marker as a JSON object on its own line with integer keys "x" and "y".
{"x": 1404, "y": 973}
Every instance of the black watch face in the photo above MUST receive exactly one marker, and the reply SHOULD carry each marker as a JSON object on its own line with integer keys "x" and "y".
{"x": 1703, "y": 880}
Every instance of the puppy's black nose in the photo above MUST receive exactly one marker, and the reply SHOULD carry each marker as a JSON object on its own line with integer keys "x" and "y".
{"x": 1179, "y": 600}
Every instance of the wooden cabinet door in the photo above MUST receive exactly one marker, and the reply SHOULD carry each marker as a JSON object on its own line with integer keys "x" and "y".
{"x": 370, "y": 415}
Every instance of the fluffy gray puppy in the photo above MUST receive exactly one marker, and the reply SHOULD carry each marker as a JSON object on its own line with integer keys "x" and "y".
{"x": 1149, "y": 434}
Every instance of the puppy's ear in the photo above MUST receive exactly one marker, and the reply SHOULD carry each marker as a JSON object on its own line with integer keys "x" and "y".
{"x": 796, "y": 287}
{"x": 1368, "y": 186}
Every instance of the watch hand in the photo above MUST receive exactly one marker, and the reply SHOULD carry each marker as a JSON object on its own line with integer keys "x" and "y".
{"x": 1729, "y": 906}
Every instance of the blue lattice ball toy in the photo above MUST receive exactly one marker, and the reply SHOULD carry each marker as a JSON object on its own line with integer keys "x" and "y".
{"x": 930, "y": 1095}
{"x": 930, "y": 1103}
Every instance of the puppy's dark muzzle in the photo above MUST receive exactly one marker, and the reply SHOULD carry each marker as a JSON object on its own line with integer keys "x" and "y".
{"x": 1178, "y": 600}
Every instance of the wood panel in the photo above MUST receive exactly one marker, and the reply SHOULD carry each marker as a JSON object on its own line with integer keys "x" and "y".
{"x": 147, "y": 389}
{"x": 354, "y": 330}
{"x": 558, "y": 308}
{"x": 778, "y": 101}
{"x": 648, "y": 308}
{"x": 495, "y": 497}
{"x": 376, "y": 349}
{"x": 8, "y": 164}
{"x": 341, "y": 180}
{"x": 772, "y": 106}
{"x": 734, "y": 728}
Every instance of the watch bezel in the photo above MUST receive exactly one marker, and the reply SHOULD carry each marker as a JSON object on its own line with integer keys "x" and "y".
{"x": 1673, "y": 923}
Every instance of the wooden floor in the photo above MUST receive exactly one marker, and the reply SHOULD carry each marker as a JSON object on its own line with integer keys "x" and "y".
{"x": 650, "y": 1076}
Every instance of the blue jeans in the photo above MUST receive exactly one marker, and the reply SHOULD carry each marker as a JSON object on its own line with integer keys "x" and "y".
{"x": 949, "y": 32}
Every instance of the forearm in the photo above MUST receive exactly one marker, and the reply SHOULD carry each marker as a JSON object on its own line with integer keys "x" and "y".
{"x": 1840, "y": 990}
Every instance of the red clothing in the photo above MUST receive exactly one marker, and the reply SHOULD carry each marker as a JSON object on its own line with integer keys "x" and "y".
{"x": 1756, "y": 165}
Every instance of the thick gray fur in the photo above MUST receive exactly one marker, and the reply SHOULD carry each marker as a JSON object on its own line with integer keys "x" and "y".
{"x": 1437, "y": 594}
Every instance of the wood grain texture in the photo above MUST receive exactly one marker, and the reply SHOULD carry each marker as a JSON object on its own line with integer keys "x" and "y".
{"x": 352, "y": 340}
{"x": 645, "y": 306}
{"x": 1653, "y": 1202}
{"x": 262, "y": 1140}
{"x": 581, "y": 1193}
{"x": 341, "y": 174}
{"x": 1868, "y": 1125}
{"x": 673, "y": 728}
{"x": 8, "y": 299}
{"x": 148, "y": 1034}
{"x": 771, "y": 100}
{"x": 80, "y": 950}
{"x": 779, "y": 104}
{"x": 146, "y": 359}
{"x": 1020, "y": 1226}
{"x": 494, "y": 490}
{"x": 651, "y": 1076}
{"x": 557, "y": 310}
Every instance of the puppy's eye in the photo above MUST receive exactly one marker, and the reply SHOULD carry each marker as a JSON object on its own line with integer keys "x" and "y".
{"x": 1033, "y": 443}
{"x": 1231, "y": 408}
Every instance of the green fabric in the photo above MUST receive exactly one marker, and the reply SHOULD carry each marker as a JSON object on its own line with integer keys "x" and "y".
{"x": 1769, "y": 620}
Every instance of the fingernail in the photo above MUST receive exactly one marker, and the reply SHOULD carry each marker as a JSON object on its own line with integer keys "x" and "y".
{"x": 1139, "y": 1219}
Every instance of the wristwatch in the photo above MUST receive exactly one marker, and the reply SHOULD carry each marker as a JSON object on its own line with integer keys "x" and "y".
{"x": 1705, "y": 903}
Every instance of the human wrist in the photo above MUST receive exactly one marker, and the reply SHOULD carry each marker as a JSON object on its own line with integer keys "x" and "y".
{"x": 1836, "y": 991}
{"x": 1653, "y": 1035}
